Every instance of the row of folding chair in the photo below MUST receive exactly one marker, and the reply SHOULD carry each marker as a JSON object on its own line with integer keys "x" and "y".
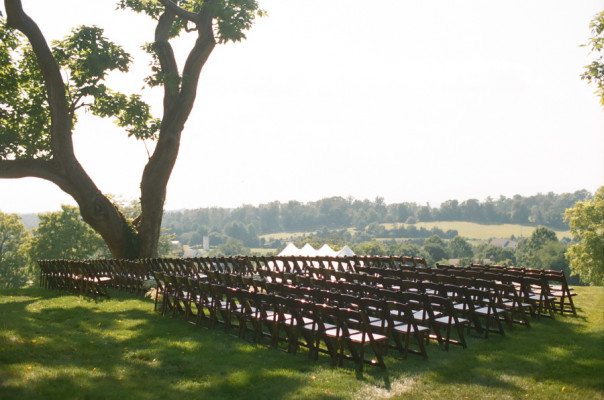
{"x": 76, "y": 276}
{"x": 494, "y": 302}
{"x": 556, "y": 280}
{"x": 505, "y": 295}
{"x": 392, "y": 279}
{"x": 267, "y": 315}
{"x": 533, "y": 288}
{"x": 479, "y": 304}
{"x": 322, "y": 291}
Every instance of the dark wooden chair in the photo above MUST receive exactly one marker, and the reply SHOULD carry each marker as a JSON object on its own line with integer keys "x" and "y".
{"x": 448, "y": 320}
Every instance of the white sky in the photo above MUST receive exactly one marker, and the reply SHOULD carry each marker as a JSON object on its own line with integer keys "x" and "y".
{"x": 419, "y": 101}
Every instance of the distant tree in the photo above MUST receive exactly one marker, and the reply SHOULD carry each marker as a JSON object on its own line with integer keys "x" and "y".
{"x": 369, "y": 249}
{"x": 520, "y": 212}
{"x": 449, "y": 211}
{"x": 406, "y": 249}
{"x": 375, "y": 229}
{"x": 168, "y": 246}
{"x": 542, "y": 235}
{"x": 196, "y": 239}
{"x": 436, "y": 249}
{"x": 411, "y": 220}
{"x": 551, "y": 255}
{"x": 424, "y": 214}
{"x": 586, "y": 221}
{"x": 471, "y": 210}
{"x": 498, "y": 255}
{"x": 14, "y": 270}
{"x": 64, "y": 235}
{"x": 595, "y": 71}
{"x": 232, "y": 247}
{"x": 217, "y": 238}
{"x": 542, "y": 250}
{"x": 460, "y": 248}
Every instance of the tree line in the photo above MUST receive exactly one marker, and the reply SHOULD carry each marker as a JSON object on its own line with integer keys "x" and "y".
{"x": 64, "y": 235}
{"x": 246, "y": 223}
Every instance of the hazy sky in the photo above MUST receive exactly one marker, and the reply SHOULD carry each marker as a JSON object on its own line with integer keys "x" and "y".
{"x": 418, "y": 101}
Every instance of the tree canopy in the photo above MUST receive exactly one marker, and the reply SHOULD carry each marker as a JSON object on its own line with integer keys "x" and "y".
{"x": 43, "y": 89}
{"x": 586, "y": 220}
{"x": 64, "y": 235}
{"x": 594, "y": 72}
{"x": 13, "y": 251}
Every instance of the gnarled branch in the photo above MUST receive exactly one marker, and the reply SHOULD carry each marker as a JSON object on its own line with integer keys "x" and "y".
{"x": 43, "y": 169}
{"x": 61, "y": 141}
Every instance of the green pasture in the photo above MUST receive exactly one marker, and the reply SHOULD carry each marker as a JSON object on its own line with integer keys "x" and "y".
{"x": 59, "y": 346}
{"x": 472, "y": 230}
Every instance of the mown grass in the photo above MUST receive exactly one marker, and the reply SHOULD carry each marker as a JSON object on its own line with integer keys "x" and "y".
{"x": 56, "y": 345}
{"x": 472, "y": 230}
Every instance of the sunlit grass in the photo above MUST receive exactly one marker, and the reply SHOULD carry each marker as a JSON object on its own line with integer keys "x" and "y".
{"x": 55, "y": 345}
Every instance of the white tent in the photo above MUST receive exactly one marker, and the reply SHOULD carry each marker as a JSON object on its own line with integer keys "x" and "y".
{"x": 309, "y": 251}
{"x": 345, "y": 252}
{"x": 327, "y": 251}
{"x": 290, "y": 250}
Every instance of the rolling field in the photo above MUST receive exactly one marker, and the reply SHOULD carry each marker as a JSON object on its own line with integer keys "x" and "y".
{"x": 473, "y": 230}
{"x": 469, "y": 230}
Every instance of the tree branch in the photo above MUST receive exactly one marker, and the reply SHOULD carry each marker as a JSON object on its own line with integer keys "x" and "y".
{"x": 197, "y": 58}
{"x": 60, "y": 127}
{"x": 166, "y": 58}
{"x": 179, "y": 11}
{"x": 43, "y": 169}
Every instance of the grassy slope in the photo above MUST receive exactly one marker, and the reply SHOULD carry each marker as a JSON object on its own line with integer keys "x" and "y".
{"x": 54, "y": 345}
{"x": 473, "y": 230}
{"x": 470, "y": 230}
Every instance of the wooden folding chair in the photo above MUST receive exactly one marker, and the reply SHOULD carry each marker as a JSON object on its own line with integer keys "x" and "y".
{"x": 356, "y": 335}
{"x": 402, "y": 324}
{"x": 559, "y": 289}
{"x": 484, "y": 306}
{"x": 508, "y": 298}
{"x": 536, "y": 292}
{"x": 448, "y": 320}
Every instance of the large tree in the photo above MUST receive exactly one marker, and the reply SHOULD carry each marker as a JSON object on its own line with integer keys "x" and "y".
{"x": 42, "y": 89}
{"x": 586, "y": 220}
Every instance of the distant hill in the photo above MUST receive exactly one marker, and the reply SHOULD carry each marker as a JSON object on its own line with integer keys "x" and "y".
{"x": 366, "y": 220}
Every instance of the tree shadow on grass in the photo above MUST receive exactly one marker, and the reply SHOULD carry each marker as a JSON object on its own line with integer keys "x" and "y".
{"x": 58, "y": 347}
{"x": 54, "y": 345}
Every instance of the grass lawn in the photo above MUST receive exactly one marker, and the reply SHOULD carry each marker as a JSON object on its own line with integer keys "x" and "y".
{"x": 472, "y": 230}
{"x": 56, "y": 345}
